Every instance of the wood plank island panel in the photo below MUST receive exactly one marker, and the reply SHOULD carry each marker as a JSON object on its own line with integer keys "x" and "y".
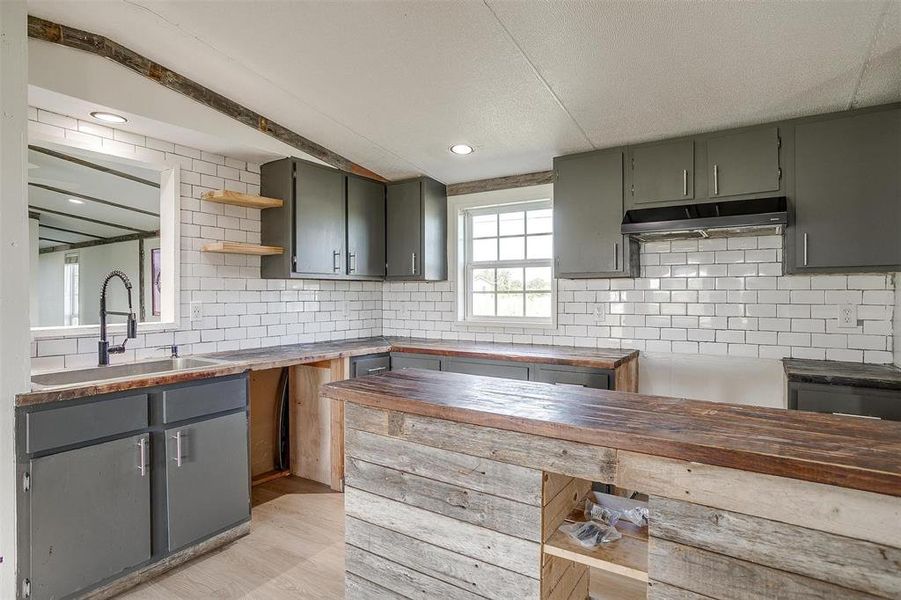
{"x": 805, "y": 446}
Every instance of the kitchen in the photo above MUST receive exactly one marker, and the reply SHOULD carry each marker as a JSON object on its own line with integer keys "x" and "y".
{"x": 300, "y": 346}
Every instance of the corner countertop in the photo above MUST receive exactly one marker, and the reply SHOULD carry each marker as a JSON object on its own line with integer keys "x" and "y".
{"x": 887, "y": 377}
{"x": 273, "y": 357}
{"x": 861, "y": 454}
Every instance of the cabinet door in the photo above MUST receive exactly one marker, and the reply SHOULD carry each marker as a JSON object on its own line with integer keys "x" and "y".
{"x": 207, "y": 478}
{"x": 663, "y": 172}
{"x": 90, "y": 515}
{"x": 319, "y": 220}
{"x": 588, "y": 213}
{"x": 743, "y": 163}
{"x": 487, "y": 369}
{"x": 400, "y": 361}
{"x": 404, "y": 229}
{"x": 365, "y": 227}
{"x": 848, "y": 192}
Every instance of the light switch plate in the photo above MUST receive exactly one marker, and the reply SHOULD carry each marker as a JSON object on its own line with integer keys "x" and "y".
{"x": 847, "y": 315}
{"x": 196, "y": 311}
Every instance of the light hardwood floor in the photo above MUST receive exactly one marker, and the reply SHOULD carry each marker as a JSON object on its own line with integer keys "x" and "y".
{"x": 295, "y": 550}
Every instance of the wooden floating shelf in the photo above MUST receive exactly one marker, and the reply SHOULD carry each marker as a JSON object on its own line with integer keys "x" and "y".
{"x": 239, "y": 248}
{"x": 627, "y": 556}
{"x": 239, "y": 199}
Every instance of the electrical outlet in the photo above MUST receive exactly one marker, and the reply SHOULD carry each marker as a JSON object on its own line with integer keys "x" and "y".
{"x": 598, "y": 313}
{"x": 196, "y": 311}
{"x": 847, "y": 315}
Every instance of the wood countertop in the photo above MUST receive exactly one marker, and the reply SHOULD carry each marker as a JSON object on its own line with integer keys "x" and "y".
{"x": 833, "y": 372}
{"x": 238, "y": 361}
{"x": 855, "y": 453}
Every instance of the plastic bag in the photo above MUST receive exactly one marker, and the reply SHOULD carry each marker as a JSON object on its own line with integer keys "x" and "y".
{"x": 633, "y": 511}
{"x": 590, "y": 534}
{"x": 601, "y": 514}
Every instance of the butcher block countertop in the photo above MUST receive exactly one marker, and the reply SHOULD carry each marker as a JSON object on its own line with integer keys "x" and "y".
{"x": 861, "y": 454}
{"x": 238, "y": 361}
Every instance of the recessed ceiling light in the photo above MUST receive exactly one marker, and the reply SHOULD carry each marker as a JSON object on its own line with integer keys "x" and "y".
{"x": 76, "y": 201}
{"x": 108, "y": 117}
{"x": 461, "y": 149}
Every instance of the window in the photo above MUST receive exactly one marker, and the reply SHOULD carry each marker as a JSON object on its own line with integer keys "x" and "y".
{"x": 70, "y": 289}
{"x": 508, "y": 263}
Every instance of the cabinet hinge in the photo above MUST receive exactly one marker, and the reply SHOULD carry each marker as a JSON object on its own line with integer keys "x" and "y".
{"x": 26, "y": 482}
{"x": 632, "y": 189}
{"x": 26, "y": 588}
{"x": 778, "y": 141}
{"x": 556, "y": 175}
{"x": 294, "y": 263}
{"x": 780, "y": 173}
{"x": 633, "y": 163}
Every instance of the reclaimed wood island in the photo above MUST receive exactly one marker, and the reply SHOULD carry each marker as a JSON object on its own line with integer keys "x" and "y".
{"x": 456, "y": 486}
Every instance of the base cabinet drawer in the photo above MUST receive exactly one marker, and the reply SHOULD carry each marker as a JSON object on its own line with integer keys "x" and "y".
{"x": 370, "y": 365}
{"x": 488, "y": 369}
{"x": 583, "y": 377}
{"x": 204, "y": 398}
{"x": 846, "y": 400}
{"x": 406, "y": 361}
{"x": 207, "y": 478}
{"x": 90, "y": 515}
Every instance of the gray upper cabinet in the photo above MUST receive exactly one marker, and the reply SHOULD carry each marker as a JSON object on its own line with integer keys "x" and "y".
{"x": 662, "y": 172}
{"x": 207, "y": 478}
{"x": 588, "y": 212}
{"x": 417, "y": 230}
{"x": 365, "y": 227}
{"x": 741, "y": 163}
{"x": 324, "y": 211}
{"x": 847, "y": 197}
{"x": 319, "y": 220}
{"x": 90, "y": 515}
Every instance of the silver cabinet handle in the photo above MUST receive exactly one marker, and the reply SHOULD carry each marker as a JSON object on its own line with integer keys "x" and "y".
{"x": 142, "y": 452}
{"x": 716, "y": 180}
{"x": 413, "y": 263}
{"x": 805, "y": 249}
{"x": 615, "y": 256}
{"x": 336, "y": 260}
{"x": 177, "y": 438}
{"x": 376, "y": 369}
{"x": 352, "y": 260}
{"x": 684, "y": 182}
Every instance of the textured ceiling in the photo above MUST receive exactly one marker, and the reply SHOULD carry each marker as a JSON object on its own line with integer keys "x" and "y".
{"x": 391, "y": 85}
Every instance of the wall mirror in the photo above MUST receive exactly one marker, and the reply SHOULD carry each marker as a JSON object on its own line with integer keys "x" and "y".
{"x": 91, "y": 213}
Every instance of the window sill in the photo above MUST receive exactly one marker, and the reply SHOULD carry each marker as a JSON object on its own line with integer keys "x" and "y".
{"x": 78, "y": 331}
{"x": 524, "y": 324}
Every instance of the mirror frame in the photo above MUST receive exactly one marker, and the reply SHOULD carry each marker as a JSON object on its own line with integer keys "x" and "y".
{"x": 170, "y": 243}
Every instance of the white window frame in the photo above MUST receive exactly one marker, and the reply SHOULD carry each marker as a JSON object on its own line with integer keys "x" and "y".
{"x": 465, "y": 274}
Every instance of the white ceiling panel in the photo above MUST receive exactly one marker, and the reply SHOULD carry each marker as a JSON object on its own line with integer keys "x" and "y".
{"x": 392, "y": 84}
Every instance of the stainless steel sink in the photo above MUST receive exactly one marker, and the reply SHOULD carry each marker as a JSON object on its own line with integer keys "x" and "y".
{"x": 120, "y": 371}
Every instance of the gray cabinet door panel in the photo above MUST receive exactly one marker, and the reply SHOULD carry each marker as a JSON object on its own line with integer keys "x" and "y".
{"x": 488, "y": 369}
{"x": 205, "y": 398}
{"x": 743, "y": 163}
{"x": 365, "y": 227}
{"x": 404, "y": 227}
{"x": 405, "y": 361}
{"x": 663, "y": 172}
{"x": 90, "y": 516}
{"x": 46, "y": 429}
{"x": 588, "y": 213}
{"x": 370, "y": 365}
{"x": 848, "y": 191}
{"x": 319, "y": 220}
{"x": 210, "y": 490}
{"x": 590, "y": 378}
{"x": 867, "y": 402}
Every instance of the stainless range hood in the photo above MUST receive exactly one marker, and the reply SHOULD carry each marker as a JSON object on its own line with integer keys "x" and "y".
{"x": 761, "y": 216}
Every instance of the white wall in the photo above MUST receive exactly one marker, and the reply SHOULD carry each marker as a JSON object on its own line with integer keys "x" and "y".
{"x": 34, "y": 248}
{"x": 14, "y": 251}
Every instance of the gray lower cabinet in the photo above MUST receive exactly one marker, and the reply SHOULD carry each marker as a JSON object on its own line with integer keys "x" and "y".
{"x": 503, "y": 369}
{"x": 365, "y": 227}
{"x": 746, "y": 162}
{"x": 847, "y": 199}
{"x": 403, "y": 360}
{"x": 662, "y": 172}
{"x": 845, "y": 400}
{"x": 370, "y": 364}
{"x": 416, "y": 224}
{"x": 207, "y": 485}
{"x": 90, "y": 515}
{"x": 575, "y": 376}
{"x": 588, "y": 213}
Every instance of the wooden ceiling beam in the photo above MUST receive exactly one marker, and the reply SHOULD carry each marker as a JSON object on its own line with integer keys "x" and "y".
{"x": 86, "y": 163}
{"x": 500, "y": 183}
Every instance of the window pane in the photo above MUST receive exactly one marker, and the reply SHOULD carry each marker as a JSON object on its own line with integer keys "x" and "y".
{"x": 541, "y": 246}
{"x": 509, "y": 305}
{"x": 512, "y": 248}
{"x": 538, "y": 305}
{"x": 484, "y": 249}
{"x": 538, "y": 279}
{"x": 540, "y": 221}
{"x": 483, "y": 280}
{"x": 509, "y": 280}
{"x": 483, "y": 305}
{"x": 484, "y": 226}
{"x": 512, "y": 223}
